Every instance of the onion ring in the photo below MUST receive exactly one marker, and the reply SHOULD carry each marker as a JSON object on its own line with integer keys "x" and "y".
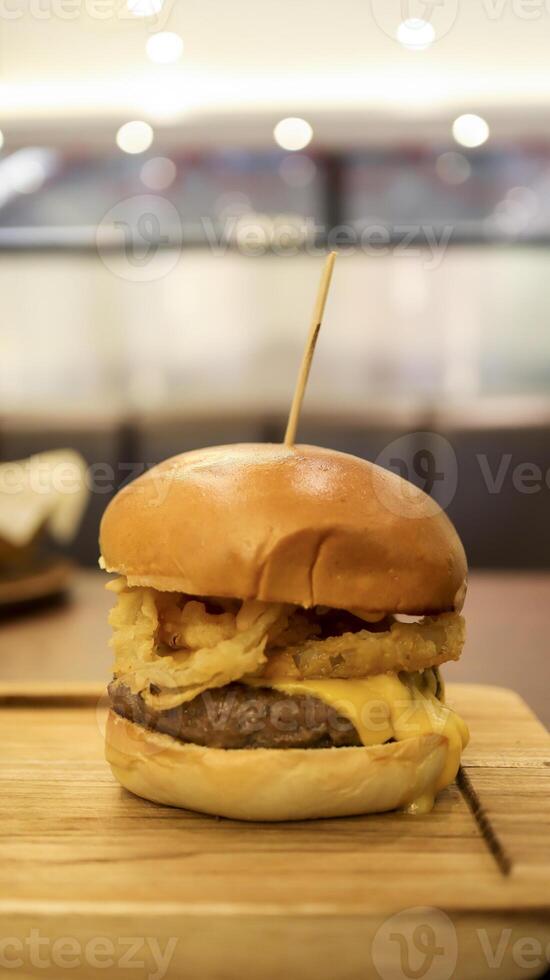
{"x": 405, "y": 646}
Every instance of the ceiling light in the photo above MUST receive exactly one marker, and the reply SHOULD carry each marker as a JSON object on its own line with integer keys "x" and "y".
{"x": 470, "y": 130}
{"x": 29, "y": 168}
{"x": 525, "y": 196}
{"x": 164, "y": 48}
{"x": 453, "y": 168}
{"x": 510, "y": 217}
{"x": 135, "y": 137}
{"x": 158, "y": 173}
{"x": 293, "y": 133}
{"x": 145, "y": 8}
{"x": 25, "y": 171}
{"x": 415, "y": 34}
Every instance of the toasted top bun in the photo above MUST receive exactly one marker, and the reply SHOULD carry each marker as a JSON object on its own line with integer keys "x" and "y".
{"x": 297, "y": 524}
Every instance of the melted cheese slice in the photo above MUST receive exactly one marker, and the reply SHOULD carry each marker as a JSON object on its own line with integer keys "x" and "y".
{"x": 386, "y": 706}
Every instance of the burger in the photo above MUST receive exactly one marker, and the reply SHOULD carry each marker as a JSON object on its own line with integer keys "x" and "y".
{"x": 281, "y": 616}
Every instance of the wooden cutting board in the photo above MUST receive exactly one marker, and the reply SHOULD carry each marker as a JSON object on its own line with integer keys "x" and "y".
{"x": 94, "y": 881}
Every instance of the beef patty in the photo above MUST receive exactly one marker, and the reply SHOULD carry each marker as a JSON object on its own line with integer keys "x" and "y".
{"x": 240, "y": 717}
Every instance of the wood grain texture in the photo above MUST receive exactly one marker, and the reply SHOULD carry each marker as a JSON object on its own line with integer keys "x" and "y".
{"x": 80, "y": 857}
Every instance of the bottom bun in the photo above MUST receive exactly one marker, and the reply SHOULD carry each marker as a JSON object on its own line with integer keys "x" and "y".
{"x": 275, "y": 784}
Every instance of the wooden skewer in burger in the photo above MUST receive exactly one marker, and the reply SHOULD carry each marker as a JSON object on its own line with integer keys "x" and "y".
{"x": 261, "y": 670}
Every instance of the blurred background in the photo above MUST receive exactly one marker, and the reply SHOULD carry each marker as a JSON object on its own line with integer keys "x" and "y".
{"x": 171, "y": 176}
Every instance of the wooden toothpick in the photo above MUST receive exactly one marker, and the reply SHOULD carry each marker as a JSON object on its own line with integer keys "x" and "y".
{"x": 307, "y": 357}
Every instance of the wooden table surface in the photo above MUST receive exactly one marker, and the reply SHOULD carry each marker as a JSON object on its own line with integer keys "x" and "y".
{"x": 319, "y": 900}
{"x": 508, "y": 645}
